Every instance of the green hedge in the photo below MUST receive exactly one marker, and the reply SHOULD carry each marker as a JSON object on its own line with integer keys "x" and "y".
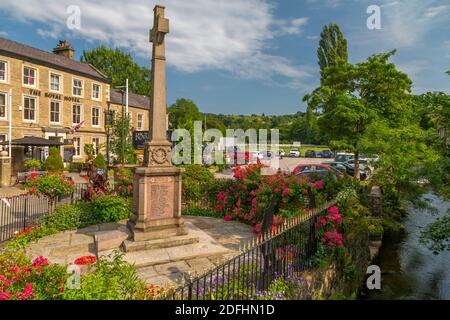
{"x": 74, "y": 216}
{"x": 200, "y": 188}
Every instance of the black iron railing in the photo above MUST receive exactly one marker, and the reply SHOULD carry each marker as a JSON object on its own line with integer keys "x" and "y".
{"x": 18, "y": 212}
{"x": 281, "y": 253}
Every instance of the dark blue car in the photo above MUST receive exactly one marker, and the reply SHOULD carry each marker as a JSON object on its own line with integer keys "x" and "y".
{"x": 324, "y": 154}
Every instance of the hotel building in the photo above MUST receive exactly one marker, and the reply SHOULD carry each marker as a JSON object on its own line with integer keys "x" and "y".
{"x": 57, "y": 98}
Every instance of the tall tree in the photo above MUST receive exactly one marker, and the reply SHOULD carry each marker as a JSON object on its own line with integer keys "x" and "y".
{"x": 121, "y": 140}
{"x": 351, "y": 97}
{"x": 183, "y": 113}
{"x": 332, "y": 48}
{"x": 119, "y": 66}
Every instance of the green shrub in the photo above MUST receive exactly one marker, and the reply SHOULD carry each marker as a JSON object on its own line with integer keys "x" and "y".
{"x": 11, "y": 258}
{"x": 196, "y": 184}
{"x": 89, "y": 151}
{"x": 201, "y": 213}
{"x": 124, "y": 172}
{"x": 29, "y": 234}
{"x": 99, "y": 162}
{"x": 112, "y": 279}
{"x": 48, "y": 283}
{"x": 51, "y": 185}
{"x": 74, "y": 167}
{"x": 32, "y": 165}
{"x": 54, "y": 162}
{"x": 110, "y": 209}
{"x": 69, "y": 216}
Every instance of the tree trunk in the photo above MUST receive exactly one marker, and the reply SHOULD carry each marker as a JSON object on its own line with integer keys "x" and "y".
{"x": 357, "y": 175}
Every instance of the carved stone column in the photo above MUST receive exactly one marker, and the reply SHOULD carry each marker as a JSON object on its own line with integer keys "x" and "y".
{"x": 157, "y": 185}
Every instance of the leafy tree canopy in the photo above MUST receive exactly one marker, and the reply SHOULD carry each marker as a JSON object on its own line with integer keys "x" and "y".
{"x": 332, "y": 48}
{"x": 351, "y": 97}
{"x": 119, "y": 66}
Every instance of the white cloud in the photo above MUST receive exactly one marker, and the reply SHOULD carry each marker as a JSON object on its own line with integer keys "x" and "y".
{"x": 328, "y": 3}
{"x": 204, "y": 35}
{"x": 3, "y": 34}
{"x": 293, "y": 26}
{"x": 406, "y": 22}
{"x": 435, "y": 11}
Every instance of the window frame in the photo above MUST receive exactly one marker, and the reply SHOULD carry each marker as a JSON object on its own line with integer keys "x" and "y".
{"x": 6, "y": 105}
{"x": 130, "y": 118}
{"x": 59, "y": 111}
{"x": 98, "y": 116}
{"x": 4, "y": 134}
{"x": 82, "y": 87}
{"x": 81, "y": 113}
{"x": 36, "y": 103}
{"x": 6, "y": 71}
{"x": 99, "y": 91}
{"x": 140, "y": 127}
{"x": 96, "y": 147}
{"x": 61, "y": 81}
{"x": 35, "y": 85}
{"x": 80, "y": 155}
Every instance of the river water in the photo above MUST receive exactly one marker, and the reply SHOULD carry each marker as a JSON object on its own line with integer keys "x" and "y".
{"x": 410, "y": 270}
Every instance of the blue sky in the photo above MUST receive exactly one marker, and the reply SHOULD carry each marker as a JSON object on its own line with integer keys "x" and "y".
{"x": 245, "y": 56}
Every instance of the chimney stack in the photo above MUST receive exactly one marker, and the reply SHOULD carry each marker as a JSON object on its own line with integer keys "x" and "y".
{"x": 64, "y": 49}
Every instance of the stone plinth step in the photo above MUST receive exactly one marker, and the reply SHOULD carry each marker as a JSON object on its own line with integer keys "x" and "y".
{"x": 108, "y": 240}
{"x": 131, "y": 246}
{"x": 154, "y": 257}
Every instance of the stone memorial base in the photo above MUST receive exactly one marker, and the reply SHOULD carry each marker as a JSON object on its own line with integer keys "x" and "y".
{"x": 157, "y": 204}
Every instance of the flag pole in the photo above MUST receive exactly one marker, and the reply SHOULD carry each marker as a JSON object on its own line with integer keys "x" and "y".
{"x": 10, "y": 123}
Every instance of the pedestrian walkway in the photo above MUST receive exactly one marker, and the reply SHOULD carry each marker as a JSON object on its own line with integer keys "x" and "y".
{"x": 216, "y": 240}
{"x": 7, "y": 192}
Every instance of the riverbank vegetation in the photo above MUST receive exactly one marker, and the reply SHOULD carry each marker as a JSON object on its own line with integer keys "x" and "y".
{"x": 368, "y": 108}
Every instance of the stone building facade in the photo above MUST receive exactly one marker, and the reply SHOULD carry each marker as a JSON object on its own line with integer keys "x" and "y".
{"x": 53, "y": 96}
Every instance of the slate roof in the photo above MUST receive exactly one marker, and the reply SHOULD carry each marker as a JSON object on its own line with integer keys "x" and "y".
{"x": 134, "y": 100}
{"x": 9, "y": 47}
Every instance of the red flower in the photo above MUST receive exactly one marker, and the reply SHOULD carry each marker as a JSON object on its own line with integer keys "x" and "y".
{"x": 40, "y": 261}
{"x": 85, "y": 260}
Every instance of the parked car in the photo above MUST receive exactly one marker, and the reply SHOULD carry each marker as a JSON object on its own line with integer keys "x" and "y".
{"x": 337, "y": 165}
{"x": 316, "y": 171}
{"x": 294, "y": 153}
{"x": 265, "y": 155}
{"x": 310, "y": 154}
{"x": 324, "y": 154}
{"x": 281, "y": 153}
{"x": 364, "y": 163}
{"x": 350, "y": 169}
{"x": 343, "y": 157}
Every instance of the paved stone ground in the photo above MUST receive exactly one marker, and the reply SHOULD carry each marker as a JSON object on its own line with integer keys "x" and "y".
{"x": 217, "y": 241}
{"x": 11, "y": 191}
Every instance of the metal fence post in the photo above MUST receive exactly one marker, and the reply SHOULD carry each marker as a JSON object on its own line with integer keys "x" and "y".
{"x": 190, "y": 285}
{"x": 25, "y": 212}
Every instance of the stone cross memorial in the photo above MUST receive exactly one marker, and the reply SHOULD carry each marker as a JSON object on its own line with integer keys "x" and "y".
{"x": 157, "y": 185}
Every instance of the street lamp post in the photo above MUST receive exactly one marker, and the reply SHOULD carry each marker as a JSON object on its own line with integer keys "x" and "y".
{"x": 123, "y": 116}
